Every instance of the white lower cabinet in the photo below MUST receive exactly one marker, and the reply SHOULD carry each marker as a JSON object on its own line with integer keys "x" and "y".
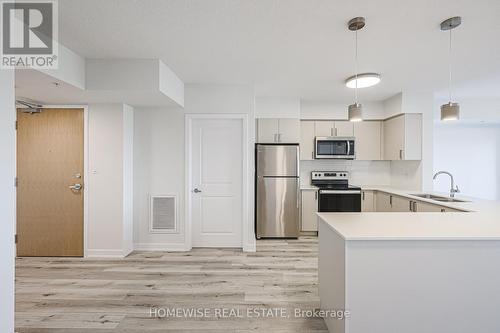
{"x": 367, "y": 201}
{"x": 450, "y": 210}
{"x": 383, "y": 202}
{"x": 400, "y": 204}
{"x": 421, "y": 206}
{"x": 309, "y": 210}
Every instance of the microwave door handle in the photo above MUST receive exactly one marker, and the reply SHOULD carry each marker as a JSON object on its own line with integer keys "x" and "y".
{"x": 348, "y": 148}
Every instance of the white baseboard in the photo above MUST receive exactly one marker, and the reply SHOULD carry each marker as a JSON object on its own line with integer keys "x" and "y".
{"x": 107, "y": 253}
{"x": 126, "y": 252}
{"x": 251, "y": 247}
{"x": 174, "y": 247}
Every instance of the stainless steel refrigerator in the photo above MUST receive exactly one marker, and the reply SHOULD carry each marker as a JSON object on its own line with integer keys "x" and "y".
{"x": 277, "y": 191}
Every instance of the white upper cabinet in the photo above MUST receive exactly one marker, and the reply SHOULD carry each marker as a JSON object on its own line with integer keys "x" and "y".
{"x": 267, "y": 130}
{"x": 368, "y": 136}
{"x": 334, "y": 128}
{"x": 403, "y": 137}
{"x": 324, "y": 128}
{"x": 289, "y": 130}
{"x": 307, "y": 135}
{"x": 274, "y": 130}
{"x": 344, "y": 128}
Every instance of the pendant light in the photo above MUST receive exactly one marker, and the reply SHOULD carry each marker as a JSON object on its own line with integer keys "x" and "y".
{"x": 355, "y": 111}
{"x": 450, "y": 110}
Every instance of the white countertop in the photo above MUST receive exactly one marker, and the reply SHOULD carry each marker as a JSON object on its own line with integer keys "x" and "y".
{"x": 308, "y": 188}
{"x": 481, "y": 222}
{"x": 469, "y": 204}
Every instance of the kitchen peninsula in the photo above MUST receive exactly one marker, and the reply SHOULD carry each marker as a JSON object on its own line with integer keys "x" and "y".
{"x": 412, "y": 271}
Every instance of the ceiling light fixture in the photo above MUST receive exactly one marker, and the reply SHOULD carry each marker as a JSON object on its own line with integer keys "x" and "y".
{"x": 363, "y": 80}
{"x": 355, "y": 111}
{"x": 450, "y": 110}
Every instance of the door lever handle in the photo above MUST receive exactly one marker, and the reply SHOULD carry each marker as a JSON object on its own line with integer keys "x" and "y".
{"x": 76, "y": 187}
{"x": 196, "y": 190}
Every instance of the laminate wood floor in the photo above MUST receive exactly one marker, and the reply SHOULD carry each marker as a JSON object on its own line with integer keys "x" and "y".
{"x": 116, "y": 295}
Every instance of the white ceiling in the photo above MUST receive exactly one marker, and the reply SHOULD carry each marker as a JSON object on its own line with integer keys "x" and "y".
{"x": 298, "y": 48}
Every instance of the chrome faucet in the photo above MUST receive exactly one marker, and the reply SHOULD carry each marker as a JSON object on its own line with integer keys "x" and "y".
{"x": 454, "y": 189}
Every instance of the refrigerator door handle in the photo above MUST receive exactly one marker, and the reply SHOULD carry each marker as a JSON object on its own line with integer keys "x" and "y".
{"x": 298, "y": 193}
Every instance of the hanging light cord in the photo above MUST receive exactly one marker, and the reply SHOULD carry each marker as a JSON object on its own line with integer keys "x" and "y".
{"x": 449, "y": 69}
{"x": 356, "y": 67}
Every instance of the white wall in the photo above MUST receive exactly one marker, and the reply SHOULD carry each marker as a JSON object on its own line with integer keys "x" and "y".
{"x": 471, "y": 152}
{"x": 361, "y": 173}
{"x": 158, "y": 170}
{"x": 267, "y": 107}
{"x": 7, "y": 199}
{"x": 474, "y": 109}
{"x": 110, "y": 158}
{"x": 128, "y": 179}
{"x": 335, "y": 110}
{"x": 159, "y": 158}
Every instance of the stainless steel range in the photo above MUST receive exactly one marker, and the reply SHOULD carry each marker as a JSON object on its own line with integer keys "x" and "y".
{"x": 335, "y": 193}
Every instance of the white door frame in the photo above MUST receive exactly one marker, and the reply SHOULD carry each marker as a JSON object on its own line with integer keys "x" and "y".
{"x": 189, "y": 167}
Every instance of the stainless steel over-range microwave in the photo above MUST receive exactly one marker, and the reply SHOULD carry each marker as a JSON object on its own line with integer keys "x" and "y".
{"x": 335, "y": 147}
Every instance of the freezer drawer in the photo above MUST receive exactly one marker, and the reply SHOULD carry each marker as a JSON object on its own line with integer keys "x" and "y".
{"x": 278, "y": 160}
{"x": 277, "y": 207}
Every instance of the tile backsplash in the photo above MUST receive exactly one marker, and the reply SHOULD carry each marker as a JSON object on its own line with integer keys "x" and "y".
{"x": 360, "y": 172}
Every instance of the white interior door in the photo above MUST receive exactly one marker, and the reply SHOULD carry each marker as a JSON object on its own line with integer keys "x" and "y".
{"x": 216, "y": 180}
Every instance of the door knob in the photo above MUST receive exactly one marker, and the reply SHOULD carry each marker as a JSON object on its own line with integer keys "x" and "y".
{"x": 196, "y": 190}
{"x": 76, "y": 187}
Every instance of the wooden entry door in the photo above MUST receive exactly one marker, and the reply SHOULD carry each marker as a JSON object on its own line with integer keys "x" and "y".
{"x": 50, "y": 157}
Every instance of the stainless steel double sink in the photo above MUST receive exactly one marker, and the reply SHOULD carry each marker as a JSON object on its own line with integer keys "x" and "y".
{"x": 437, "y": 198}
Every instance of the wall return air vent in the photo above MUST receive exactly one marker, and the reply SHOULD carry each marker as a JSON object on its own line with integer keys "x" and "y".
{"x": 163, "y": 214}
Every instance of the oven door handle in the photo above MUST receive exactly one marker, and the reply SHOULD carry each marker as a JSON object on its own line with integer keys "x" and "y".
{"x": 340, "y": 191}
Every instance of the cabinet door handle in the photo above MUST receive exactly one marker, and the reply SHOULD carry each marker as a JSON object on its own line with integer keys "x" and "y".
{"x": 316, "y": 195}
{"x": 414, "y": 206}
{"x": 390, "y": 200}
{"x": 401, "y": 154}
{"x": 411, "y": 206}
{"x": 363, "y": 195}
{"x": 312, "y": 155}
